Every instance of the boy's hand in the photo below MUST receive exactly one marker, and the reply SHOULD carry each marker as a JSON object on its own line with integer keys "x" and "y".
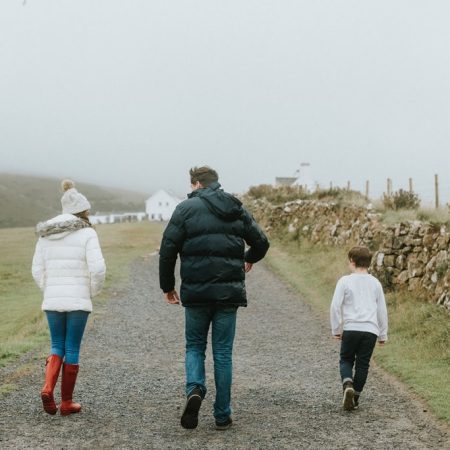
{"x": 248, "y": 267}
{"x": 172, "y": 297}
{"x": 338, "y": 337}
{"x": 381, "y": 343}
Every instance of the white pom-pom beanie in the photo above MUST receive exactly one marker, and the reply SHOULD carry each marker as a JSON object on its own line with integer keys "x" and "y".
{"x": 72, "y": 201}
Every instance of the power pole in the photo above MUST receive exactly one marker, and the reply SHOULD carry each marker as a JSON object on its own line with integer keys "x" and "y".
{"x": 367, "y": 189}
{"x": 348, "y": 185}
{"x": 410, "y": 186}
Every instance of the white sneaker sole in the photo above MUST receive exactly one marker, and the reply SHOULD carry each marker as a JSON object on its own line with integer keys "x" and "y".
{"x": 347, "y": 400}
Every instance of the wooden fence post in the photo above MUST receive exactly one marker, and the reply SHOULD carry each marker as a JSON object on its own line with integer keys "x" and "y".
{"x": 436, "y": 190}
{"x": 389, "y": 187}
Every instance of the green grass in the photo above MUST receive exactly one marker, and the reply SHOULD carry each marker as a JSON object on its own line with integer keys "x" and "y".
{"x": 22, "y": 323}
{"x": 418, "y": 350}
{"x": 438, "y": 216}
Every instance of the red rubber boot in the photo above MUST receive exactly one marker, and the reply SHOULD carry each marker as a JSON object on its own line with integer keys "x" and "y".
{"x": 52, "y": 369}
{"x": 69, "y": 378}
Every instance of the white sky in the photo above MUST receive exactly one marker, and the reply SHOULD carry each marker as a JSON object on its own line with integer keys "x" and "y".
{"x": 132, "y": 93}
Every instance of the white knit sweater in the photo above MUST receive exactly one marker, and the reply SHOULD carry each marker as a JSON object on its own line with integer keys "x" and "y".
{"x": 358, "y": 304}
{"x": 68, "y": 265}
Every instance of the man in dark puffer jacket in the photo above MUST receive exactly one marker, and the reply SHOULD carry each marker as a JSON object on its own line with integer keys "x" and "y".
{"x": 209, "y": 231}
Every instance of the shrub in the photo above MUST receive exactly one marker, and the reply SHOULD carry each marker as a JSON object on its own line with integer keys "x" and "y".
{"x": 278, "y": 194}
{"x": 283, "y": 194}
{"x": 401, "y": 199}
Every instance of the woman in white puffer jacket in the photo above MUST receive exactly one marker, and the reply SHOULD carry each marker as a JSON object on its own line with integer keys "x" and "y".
{"x": 69, "y": 268}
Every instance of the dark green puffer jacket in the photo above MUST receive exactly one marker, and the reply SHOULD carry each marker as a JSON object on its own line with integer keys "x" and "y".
{"x": 209, "y": 231}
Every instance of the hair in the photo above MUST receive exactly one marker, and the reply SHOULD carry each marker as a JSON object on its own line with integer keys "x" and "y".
{"x": 205, "y": 175}
{"x": 361, "y": 256}
{"x": 83, "y": 215}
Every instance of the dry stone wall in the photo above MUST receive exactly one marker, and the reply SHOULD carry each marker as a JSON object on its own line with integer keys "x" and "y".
{"x": 410, "y": 255}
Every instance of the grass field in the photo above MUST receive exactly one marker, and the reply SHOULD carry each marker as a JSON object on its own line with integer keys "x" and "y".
{"x": 418, "y": 351}
{"x": 22, "y": 323}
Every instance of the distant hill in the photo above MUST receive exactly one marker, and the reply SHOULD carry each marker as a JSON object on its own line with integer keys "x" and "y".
{"x": 26, "y": 200}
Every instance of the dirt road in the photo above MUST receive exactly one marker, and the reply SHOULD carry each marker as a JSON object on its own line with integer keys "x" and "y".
{"x": 286, "y": 391}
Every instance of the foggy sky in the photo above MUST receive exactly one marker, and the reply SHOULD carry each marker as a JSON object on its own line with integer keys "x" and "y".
{"x": 131, "y": 93}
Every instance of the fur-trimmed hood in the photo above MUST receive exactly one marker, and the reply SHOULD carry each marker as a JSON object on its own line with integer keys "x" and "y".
{"x": 60, "y": 226}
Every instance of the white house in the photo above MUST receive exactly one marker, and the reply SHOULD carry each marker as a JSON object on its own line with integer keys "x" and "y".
{"x": 305, "y": 178}
{"x": 161, "y": 205}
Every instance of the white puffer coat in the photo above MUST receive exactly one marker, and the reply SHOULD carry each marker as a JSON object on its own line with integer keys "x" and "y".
{"x": 68, "y": 265}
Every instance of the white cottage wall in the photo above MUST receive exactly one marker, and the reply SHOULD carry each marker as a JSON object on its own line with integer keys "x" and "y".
{"x": 161, "y": 206}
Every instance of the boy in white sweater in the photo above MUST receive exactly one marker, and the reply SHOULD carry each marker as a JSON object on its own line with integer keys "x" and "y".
{"x": 358, "y": 318}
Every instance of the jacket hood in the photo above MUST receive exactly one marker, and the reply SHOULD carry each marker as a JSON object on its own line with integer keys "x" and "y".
{"x": 60, "y": 226}
{"x": 220, "y": 203}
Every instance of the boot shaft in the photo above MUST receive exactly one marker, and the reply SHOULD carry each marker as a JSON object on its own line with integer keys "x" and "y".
{"x": 69, "y": 378}
{"x": 52, "y": 369}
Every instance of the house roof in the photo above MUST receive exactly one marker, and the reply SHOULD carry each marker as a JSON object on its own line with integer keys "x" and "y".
{"x": 164, "y": 193}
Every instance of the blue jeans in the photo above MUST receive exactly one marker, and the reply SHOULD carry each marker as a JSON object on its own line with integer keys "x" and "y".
{"x": 66, "y": 331}
{"x": 223, "y": 320}
{"x": 356, "y": 350}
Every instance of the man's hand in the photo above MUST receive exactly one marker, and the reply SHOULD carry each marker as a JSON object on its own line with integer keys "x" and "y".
{"x": 248, "y": 267}
{"x": 172, "y": 297}
{"x": 381, "y": 343}
{"x": 338, "y": 337}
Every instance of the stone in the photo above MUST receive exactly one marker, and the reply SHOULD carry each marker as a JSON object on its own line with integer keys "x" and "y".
{"x": 428, "y": 240}
{"x": 400, "y": 262}
{"x": 389, "y": 261}
{"x": 333, "y": 230}
{"x": 443, "y": 299}
{"x": 415, "y": 267}
{"x": 440, "y": 243}
{"x": 380, "y": 258}
{"x": 423, "y": 256}
{"x": 403, "y": 277}
{"x": 398, "y": 242}
{"x": 404, "y": 229}
{"x": 413, "y": 284}
{"x": 388, "y": 242}
{"x": 431, "y": 265}
{"x": 442, "y": 258}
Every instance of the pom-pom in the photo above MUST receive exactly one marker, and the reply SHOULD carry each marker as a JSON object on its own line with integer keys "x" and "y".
{"x": 67, "y": 184}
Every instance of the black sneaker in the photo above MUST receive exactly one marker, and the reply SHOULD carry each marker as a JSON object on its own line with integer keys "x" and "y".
{"x": 349, "y": 394}
{"x": 189, "y": 419}
{"x": 356, "y": 401}
{"x": 224, "y": 425}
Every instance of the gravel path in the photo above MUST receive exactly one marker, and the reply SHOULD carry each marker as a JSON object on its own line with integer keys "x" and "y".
{"x": 286, "y": 389}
